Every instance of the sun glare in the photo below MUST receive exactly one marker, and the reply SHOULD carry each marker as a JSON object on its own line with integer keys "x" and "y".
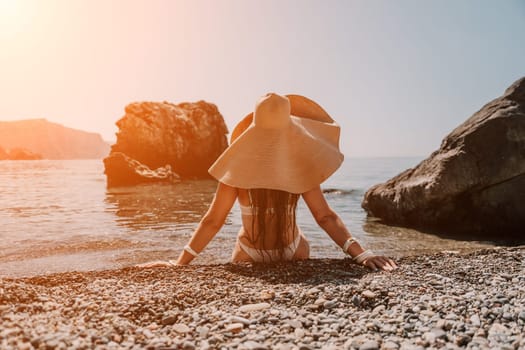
{"x": 11, "y": 17}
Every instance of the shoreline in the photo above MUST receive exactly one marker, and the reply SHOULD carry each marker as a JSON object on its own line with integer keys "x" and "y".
{"x": 455, "y": 300}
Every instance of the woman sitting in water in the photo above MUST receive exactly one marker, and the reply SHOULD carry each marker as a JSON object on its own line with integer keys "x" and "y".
{"x": 285, "y": 149}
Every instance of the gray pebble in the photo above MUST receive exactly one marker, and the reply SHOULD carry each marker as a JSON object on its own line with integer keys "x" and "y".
{"x": 369, "y": 345}
{"x": 389, "y": 345}
{"x": 188, "y": 345}
{"x": 252, "y": 345}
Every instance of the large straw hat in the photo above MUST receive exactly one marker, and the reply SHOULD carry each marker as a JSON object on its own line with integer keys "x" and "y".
{"x": 289, "y": 143}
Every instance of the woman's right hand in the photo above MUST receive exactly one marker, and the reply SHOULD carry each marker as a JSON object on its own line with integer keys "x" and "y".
{"x": 380, "y": 262}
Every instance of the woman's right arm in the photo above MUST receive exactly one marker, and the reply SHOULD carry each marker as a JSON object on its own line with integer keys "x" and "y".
{"x": 211, "y": 223}
{"x": 332, "y": 224}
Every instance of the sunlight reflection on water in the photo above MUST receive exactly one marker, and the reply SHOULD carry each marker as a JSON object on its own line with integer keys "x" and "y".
{"x": 59, "y": 216}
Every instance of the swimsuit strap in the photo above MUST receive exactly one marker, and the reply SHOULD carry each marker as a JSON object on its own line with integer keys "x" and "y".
{"x": 245, "y": 210}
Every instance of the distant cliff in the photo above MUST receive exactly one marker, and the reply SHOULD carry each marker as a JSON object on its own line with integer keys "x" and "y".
{"x": 51, "y": 140}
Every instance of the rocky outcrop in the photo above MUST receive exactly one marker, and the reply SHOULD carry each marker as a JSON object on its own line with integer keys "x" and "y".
{"x": 22, "y": 154}
{"x": 51, "y": 140}
{"x": 474, "y": 184}
{"x": 188, "y": 137}
{"x": 128, "y": 172}
{"x": 18, "y": 154}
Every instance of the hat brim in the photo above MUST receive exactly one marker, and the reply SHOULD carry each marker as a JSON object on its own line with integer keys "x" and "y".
{"x": 295, "y": 159}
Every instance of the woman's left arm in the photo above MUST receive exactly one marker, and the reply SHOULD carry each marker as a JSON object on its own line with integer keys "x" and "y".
{"x": 211, "y": 222}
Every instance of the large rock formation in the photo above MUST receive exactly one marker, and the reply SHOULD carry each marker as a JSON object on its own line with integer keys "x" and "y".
{"x": 188, "y": 137}
{"x": 474, "y": 184}
{"x": 51, "y": 140}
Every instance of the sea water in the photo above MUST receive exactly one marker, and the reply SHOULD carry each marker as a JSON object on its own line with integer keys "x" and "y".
{"x": 58, "y": 215}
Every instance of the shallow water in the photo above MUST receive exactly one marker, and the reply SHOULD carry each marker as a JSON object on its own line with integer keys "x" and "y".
{"x": 58, "y": 216}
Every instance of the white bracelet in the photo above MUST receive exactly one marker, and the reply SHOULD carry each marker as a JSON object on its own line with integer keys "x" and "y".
{"x": 191, "y": 251}
{"x": 348, "y": 243}
{"x": 363, "y": 256}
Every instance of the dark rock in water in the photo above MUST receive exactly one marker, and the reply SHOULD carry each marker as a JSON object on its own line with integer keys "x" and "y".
{"x": 124, "y": 171}
{"x": 22, "y": 154}
{"x": 188, "y": 137}
{"x": 18, "y": 154}
{"x": 474, "y": 184}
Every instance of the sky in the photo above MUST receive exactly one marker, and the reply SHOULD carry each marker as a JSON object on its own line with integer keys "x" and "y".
{"x": 397, "y": 76}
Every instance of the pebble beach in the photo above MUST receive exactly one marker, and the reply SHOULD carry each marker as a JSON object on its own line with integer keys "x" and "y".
{"x": 447, "y": 300}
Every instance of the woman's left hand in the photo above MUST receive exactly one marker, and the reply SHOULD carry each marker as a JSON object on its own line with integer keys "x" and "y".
{"x": 380, "y": 262}
{"x": 158, "y": 263}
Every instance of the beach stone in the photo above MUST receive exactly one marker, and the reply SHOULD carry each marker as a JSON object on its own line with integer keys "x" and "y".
{"x": 409, "y": 327}
{"x": 183, "y": 138}
{"x": 320, "y": 301}
{"x": 507, "y": 316}
{"x": 330, "y": 304}
{"x": 295, "y": 323}
{"x": 169, "y": 320}
{"x": 239, "y": 319}
{"x": 474, "y": 319}
{"x": 188, "y": 345}
{"x": 369, "y": 345}
{"x": 473, "y": 184}
{"x": 267, "y": 295}
{"x": 234, "y": 327}
{"x": 285, "y": 346}
{"x": 203, "y": 331}
{"x": 147, "y": 333}
{"x": 181, "y": 328}
{"x": 299, "y": 333}
{"x": 498, "y": 328}
{"x": 463, "y": 339}
{"x": 254, "y": 307}
{"x": 312, "y": 292}
{"x": 521, "y": 315}
{"x": 428, "y": 313}
{"x": 368, "y": 294}
{"x": 434, "y": 334}
{"x": 253, "y": 345}
{"x": 378, "y": 309}
{"x": 451, "y": 316}
{"x": 25, "y": 346}
{"x": 305, "y": 347}
{"x": 389, "y": 345}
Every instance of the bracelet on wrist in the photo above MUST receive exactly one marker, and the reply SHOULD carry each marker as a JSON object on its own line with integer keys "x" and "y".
{"x": 348, "y": 243}
{"x": 363, "y": 256}
{"x": 188, "y": 249}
